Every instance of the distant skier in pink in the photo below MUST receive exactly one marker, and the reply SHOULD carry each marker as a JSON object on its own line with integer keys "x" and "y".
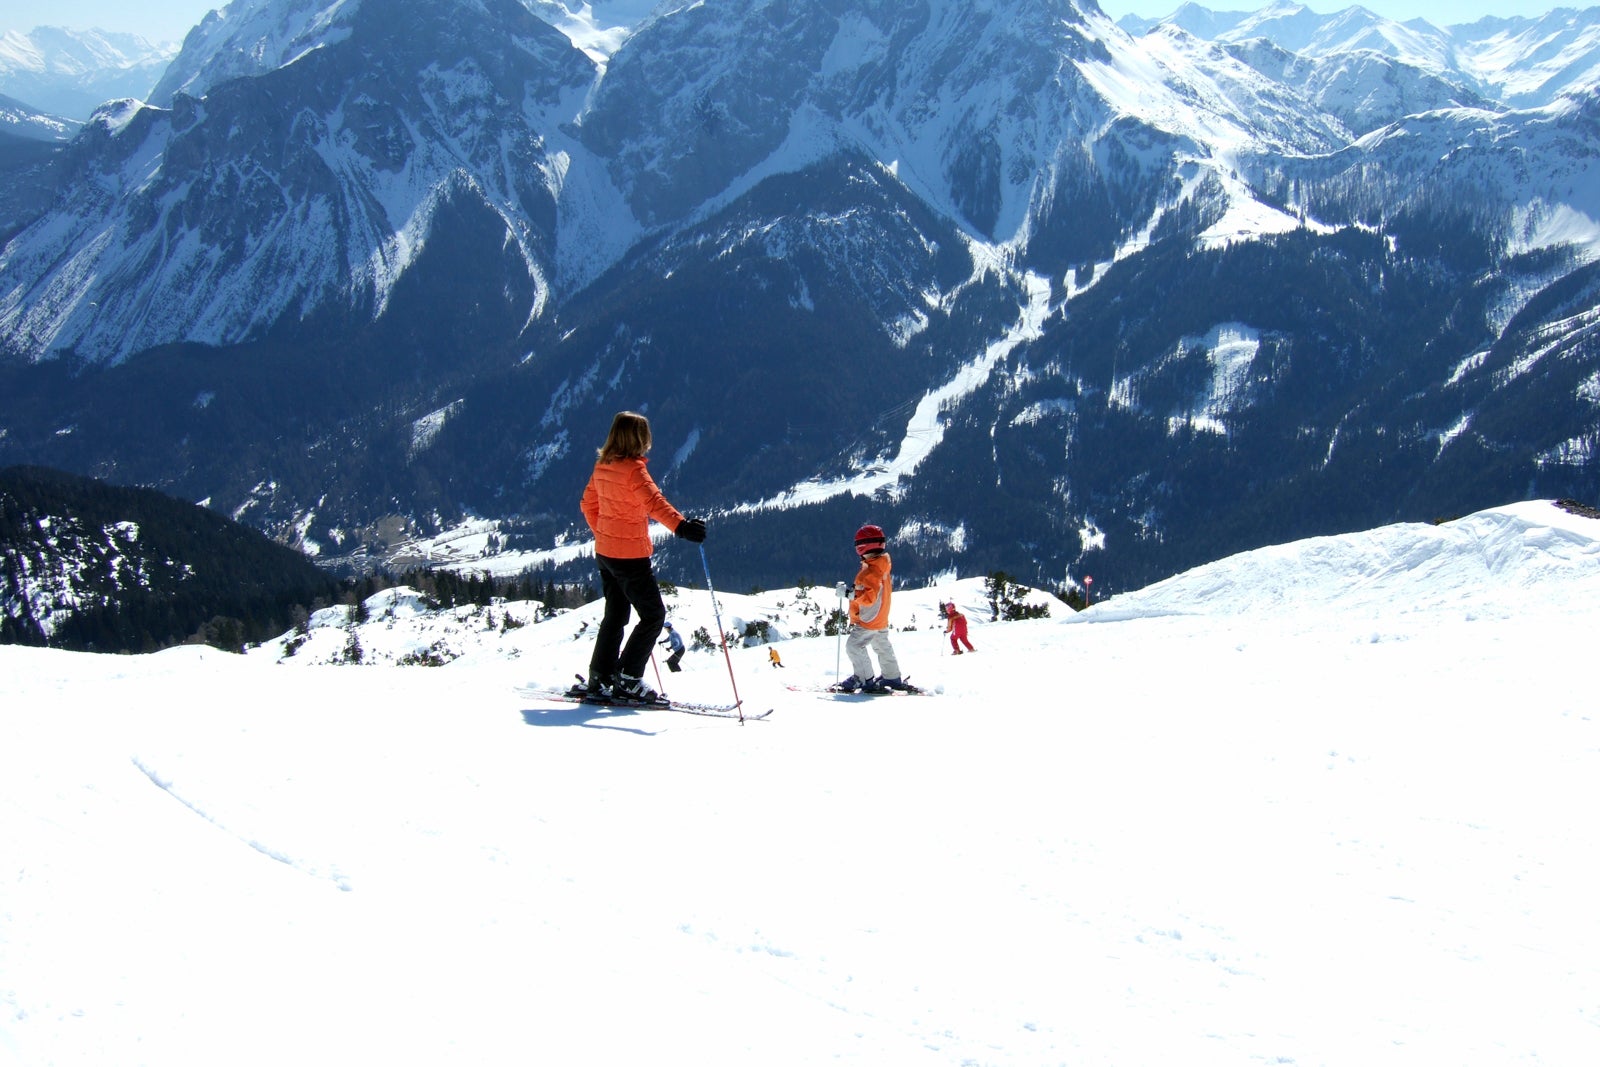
{"x": 955, "y": 624}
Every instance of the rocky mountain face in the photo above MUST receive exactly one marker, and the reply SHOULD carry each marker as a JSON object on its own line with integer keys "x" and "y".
{"x": 29, "y": 142}
{"x": 1030, "y": 292}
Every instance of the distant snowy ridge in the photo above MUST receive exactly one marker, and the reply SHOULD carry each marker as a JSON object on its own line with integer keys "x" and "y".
{"x": 1488, "y": 564}
{"x": 1523, "y": 61}
{"x": 20, "y": 120}
{"x": 71, "y": 72}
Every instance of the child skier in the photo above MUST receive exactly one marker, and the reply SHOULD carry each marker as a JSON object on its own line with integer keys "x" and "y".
{"x": 955, "y": 624}
{"x": 869, "y": 619}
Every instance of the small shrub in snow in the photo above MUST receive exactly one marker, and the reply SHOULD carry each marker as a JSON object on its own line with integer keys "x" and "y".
{"x": 435, "y": 655}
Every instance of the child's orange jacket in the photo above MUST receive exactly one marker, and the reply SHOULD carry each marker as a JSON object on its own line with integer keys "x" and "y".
{"x": 869, "y": 604}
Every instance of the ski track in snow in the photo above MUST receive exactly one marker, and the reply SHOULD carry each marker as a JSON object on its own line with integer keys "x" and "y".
{"x": 271, "y": 853}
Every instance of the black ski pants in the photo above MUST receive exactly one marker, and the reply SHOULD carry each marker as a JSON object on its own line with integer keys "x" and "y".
{"x": 625, "y": 584}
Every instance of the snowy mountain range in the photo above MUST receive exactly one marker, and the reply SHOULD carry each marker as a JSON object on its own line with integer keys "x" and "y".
{"x": 72, "y": 72}
{"x": 1029, "y": 290}
{"x": 1519, "y": 61}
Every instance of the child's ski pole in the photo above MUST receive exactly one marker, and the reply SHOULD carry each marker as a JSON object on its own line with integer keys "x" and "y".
{"x": 838, "y": 634}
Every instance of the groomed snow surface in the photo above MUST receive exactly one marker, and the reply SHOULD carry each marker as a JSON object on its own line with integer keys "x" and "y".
{"x": 1327, "y": 803}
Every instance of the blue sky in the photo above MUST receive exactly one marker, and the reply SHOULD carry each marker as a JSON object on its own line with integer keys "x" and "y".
{"x": 169, "y": 20}
{"x": 158, "y": 20}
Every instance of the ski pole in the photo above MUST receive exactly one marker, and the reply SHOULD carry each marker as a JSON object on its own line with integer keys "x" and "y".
{"x": 716, "y": 613}
{"x": 838, "y": 637}
{"x": 656, "y": 667}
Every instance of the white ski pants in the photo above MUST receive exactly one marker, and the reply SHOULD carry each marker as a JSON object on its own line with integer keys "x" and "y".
{"x": 862, "y": 641}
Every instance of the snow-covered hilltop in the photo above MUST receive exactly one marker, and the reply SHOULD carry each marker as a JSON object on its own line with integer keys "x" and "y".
{"x": 1493, "y": 565}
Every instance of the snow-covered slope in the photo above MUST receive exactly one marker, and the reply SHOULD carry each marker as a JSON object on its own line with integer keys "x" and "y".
{"x": 1326, "y": 803}
{"x": 1492, "y": 565}
{"x": 249, "y": 39}
{"x": 600, "y": 27}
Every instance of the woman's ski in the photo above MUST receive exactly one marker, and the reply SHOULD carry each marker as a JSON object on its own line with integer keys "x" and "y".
{"x": 580, "y": 694}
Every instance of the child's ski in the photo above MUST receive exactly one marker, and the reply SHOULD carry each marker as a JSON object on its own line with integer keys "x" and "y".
{"x": 835, "y": 691}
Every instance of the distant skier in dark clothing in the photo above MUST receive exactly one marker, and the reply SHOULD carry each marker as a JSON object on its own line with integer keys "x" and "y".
{"x": 675, "y": 643}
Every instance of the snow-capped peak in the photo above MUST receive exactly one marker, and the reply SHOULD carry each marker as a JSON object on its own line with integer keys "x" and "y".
{"x": 250, "y": 37}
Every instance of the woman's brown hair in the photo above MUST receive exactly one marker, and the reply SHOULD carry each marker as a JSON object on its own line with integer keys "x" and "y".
{"x": 629, "y": 437}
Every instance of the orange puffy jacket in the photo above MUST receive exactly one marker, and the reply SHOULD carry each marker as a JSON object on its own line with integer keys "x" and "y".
{"x": 869, "y": 604}
{"x": 618, "y": 504}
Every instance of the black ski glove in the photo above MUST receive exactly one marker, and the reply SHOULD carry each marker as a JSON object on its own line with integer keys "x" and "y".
{"x": 691, "y": 530}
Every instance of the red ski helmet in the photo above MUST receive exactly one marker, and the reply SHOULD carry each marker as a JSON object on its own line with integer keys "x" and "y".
{"x": 869, "y": 538}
